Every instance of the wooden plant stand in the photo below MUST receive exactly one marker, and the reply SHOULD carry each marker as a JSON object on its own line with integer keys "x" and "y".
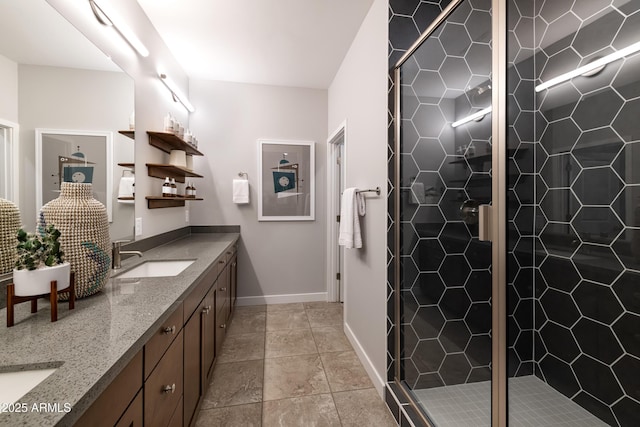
{"x": 13, "y": 299}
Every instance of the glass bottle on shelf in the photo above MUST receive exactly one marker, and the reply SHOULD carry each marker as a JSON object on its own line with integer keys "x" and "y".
{"x": 174, "y": 188}
{"x": 166, "y": 188}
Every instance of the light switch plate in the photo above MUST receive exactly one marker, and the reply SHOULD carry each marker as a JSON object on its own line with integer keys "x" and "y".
{"x": 138, "y": 230}
{"x": 186, "y": 215}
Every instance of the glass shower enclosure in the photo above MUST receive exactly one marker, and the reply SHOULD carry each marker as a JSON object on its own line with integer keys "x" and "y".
{"x": 517, "y": 215}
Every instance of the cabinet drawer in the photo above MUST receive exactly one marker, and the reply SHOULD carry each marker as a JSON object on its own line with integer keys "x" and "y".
{"x": 163, "y": 388}
{"x": 113, "y": 402}
{"x": 231, "y": 250}
{"x": 161, "y": 340}
{"x": 133, "y": 416}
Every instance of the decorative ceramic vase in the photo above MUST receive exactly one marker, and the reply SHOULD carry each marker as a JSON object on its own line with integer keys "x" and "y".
{"x": 84, "y": 238}
{"x": 9, "y": 226}
{"x": 38, "y": 281}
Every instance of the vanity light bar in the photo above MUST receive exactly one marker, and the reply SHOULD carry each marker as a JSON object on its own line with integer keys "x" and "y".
{"x": 475, "y": 116}
{"x": 585, "y": 69}
{"x": 175, "y": 92}
{"x": 112, "y": 19}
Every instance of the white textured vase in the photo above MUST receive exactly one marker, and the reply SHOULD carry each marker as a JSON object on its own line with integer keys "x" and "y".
{"x": 38, "y": 281}
{"x": 9, "y": 226}
{"x": 84, "y": 235}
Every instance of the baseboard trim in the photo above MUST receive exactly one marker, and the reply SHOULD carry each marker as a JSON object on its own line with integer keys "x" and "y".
{"x": 377, "y": 380}
{"x": 281, "y": 299}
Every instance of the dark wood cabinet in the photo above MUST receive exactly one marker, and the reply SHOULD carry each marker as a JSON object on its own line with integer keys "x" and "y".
{"x": 133, "y": 415}
{"x": 163, "y": 388}
{"x": 165, "y": 382}
{"x": 114, "y": 401}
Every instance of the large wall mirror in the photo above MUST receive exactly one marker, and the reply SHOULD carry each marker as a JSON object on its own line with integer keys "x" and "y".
{"x": 55, "y": 80}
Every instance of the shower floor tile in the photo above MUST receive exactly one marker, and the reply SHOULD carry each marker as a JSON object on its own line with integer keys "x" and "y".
{"x": 532, "y": 402}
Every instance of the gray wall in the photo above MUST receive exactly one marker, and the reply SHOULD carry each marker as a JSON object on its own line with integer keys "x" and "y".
{"x": 73, "y": 99}
{"x": 358, "y": 94}
{"x": 279, "y": 259}
{"x": 8, "y": 89}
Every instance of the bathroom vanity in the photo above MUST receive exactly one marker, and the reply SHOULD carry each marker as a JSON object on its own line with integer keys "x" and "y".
{"x": 142, "y": 349}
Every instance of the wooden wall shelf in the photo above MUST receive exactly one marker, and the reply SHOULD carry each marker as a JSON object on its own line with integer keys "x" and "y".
{"x": 128, "y": 133}
{"x": 166, "y": 142}
{"x": 163, "y": 170}
{"x": 157, "y": 202}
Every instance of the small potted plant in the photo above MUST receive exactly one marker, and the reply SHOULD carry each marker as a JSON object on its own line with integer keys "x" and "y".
{"x": 39, "y": 262}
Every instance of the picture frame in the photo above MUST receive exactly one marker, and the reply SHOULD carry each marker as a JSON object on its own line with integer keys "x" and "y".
{"x": 286, "y": 180}
{"x": 74, "y": 156}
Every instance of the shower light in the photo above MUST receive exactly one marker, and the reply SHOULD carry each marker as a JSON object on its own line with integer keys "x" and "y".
{"x": 178, "y": 96}
{"x": 112, "y": 19}
{"x": 585, "y": 69}
{"x": 475, "y": 116}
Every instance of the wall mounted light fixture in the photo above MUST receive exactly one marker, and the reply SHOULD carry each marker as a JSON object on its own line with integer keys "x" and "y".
{"x": 475, "y": 116}
{"x": 585, "y": 70}
{"x": 110, "y": 18}
{"x": 178, "y": 96}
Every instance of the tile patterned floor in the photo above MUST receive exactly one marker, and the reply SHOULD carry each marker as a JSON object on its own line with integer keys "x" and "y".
{"x": 290, "y": 365}
{"x": 532, "y": 402}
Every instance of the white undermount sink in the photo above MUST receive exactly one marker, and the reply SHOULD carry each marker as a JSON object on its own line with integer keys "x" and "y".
{"x": 14, "y": 385}
{"x": 160, "y": 268}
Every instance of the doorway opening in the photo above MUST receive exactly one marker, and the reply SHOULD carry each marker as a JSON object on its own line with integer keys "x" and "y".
{"x": 336, "y": 177}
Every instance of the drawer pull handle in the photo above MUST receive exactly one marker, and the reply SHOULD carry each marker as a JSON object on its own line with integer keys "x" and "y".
{"x": 206, "y": 309}
{"x": 221, "y": 261}
{"x": 223, "y": 289}
{"x": 169, "y": 330}
{"x": 224, "y": 325}
{"x": 229, "y": 253}
{"x": 169, "y": 388}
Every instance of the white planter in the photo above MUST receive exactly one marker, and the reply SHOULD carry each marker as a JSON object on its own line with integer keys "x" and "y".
{"x": 38, "y": 281}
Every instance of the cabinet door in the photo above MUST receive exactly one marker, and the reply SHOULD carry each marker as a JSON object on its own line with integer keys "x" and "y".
{"x": 221, "y": 326}
{"x": 208, "y": 336}
{"x": 193, "y": 362}
{"x": 133, "y": 415}
{"x": 163, "y": 388}
{"x": 233, "y": 283}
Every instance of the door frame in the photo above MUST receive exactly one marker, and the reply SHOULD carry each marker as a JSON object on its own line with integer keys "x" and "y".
{"x": 497, "y": 221}
{"x": 12, "y": 158}
{"x": 337, "y": 137}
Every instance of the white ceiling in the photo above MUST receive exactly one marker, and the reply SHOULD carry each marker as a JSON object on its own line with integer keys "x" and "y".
{"x": 32, "y": 32}
{"x": 280, "y": 42}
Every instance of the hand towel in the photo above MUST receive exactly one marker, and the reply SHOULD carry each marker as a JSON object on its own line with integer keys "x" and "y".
{"x": 125, "y": 189}
{"x": 351, "y": 209}
{"x": 241, "y": 191}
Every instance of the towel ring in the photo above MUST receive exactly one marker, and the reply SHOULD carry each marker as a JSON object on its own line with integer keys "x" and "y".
{"x": 241, "y": 174}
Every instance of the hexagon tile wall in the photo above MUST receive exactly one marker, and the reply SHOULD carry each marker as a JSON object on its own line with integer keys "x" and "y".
{"x": 573, "y": 201}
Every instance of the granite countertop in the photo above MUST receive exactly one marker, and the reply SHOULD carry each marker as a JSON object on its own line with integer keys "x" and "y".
{"x": 95, "y": 341}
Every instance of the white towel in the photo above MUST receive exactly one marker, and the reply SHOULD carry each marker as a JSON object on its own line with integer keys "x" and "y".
{"x": 126, "y": 188}
{"x": 350, "y": 212}
{"x": 240, "y": 191}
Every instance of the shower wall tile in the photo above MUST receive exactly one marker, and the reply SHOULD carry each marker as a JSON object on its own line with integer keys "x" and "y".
{"x": 588, "y": 164}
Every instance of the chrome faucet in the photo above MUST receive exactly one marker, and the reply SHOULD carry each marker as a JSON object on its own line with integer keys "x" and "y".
{"x": 116, "y": 258}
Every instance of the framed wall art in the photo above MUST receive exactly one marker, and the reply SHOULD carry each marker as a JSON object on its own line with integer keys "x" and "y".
{"x": 286, "y": 187}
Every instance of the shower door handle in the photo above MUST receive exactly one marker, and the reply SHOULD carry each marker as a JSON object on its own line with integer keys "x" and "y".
{"x": 469, "y": 211}
{"x": 484, "y": 223}
{"x": 472, "y": 212}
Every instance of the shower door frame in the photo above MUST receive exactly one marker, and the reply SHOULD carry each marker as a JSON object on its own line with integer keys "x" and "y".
{"x": 498, "y": 218}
